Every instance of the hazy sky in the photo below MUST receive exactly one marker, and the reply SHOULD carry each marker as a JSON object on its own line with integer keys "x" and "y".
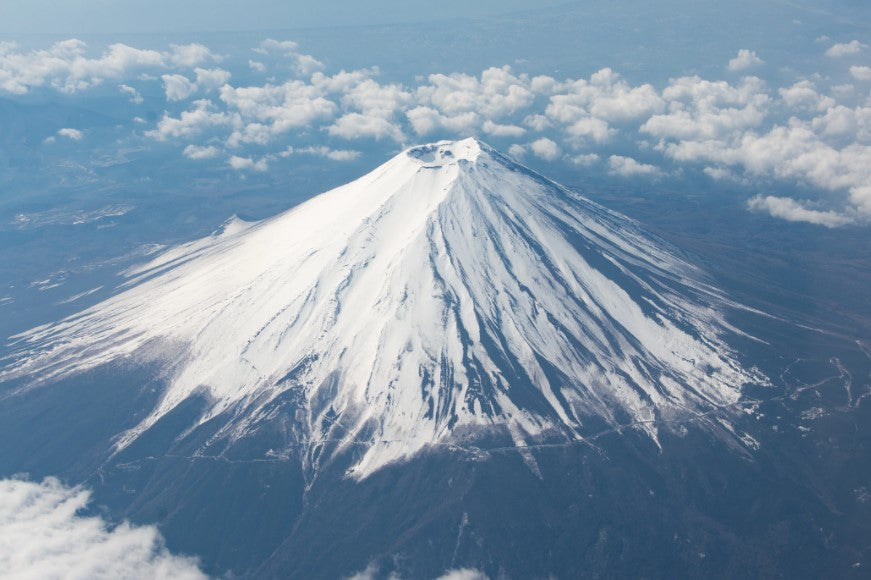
{"x": 113, "y": 16}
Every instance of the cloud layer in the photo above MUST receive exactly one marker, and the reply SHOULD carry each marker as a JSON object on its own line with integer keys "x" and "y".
{"x": 42, "y": 535}
{"x": 66, "y": 66}
{"x": 811, "y": 132}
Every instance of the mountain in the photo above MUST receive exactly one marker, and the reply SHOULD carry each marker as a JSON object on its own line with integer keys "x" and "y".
{"x": 449, "y": 294}
{"x": 452, "y": 363}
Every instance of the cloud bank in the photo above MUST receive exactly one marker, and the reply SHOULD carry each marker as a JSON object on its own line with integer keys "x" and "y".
{"x": 811, "y": 132}
{"x": 66, "y": 66}
{"x": 43, "y": 535}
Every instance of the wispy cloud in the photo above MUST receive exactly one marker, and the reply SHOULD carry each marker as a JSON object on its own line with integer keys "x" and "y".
{"x": 304, "y": 64}
{"x": 131, "y": 92}
{"x": 69, "y": 133}
{"x": 796, "y": 211}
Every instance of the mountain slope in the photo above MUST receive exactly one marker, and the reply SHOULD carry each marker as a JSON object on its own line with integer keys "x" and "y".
{"x": 446, "y": 295}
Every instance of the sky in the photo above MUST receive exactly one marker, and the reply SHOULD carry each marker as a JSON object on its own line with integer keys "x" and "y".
{"x": 117, "y": 16}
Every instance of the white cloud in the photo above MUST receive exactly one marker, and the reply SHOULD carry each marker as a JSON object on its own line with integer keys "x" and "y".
{"x": 198, "y": 152}
{"x": 591, "y": 129}
{"x": 248, "y": 164}
{"x": 803, "y": 94}
{"x": 211, "y": 78}
{"x": 497, "y": 93}
{"x": 842, "y": 122}
{"x": 544, "y": 85}
{"x": 604, "y": 96}
{"x": 282, "y": 107}
{"x": 304, "y": 64}
{"x": 702, "y": 109}
{"x": 135, "y": 97}
{"x": 258, "y": 114}
{"x": 374, "y": 99}
{"x": 537, "y": 122}
{"x": 498, "y": 130}
{"x": 368, "y": 574}
{"x": 118, "y": 61}
{"x": 69, "y": 133}
{"x": 426, "y": 120}
{"x": 192, "y": 122}
{"x": 358, "y": 125}
{"x": 191, "y": 55}
{"x": 629, "y": 167}
{"x": 746, "y": 59}
{"x": 323, "y": 151}
{"x": 861, "y": 73}
{"x": 845, "y": 49}
{"x": 307, "y": 64}
{"x": 585, "y": 109}
{"x": 463, "y": 574}
{"x": 286, "y": 47}
{"x": 66, "y": 66}
{"x": 739, "y": 130}
{"x": 795, "y": 211}
{"x": 545, "y": 149}
{"x": 43, "y": 535}
{"x": 517, "y": 151}
{"x": 719, "y": 173}
{"x": 585, "y": 159}
{"x": 177, "y": 87}
{"x": 822, "y": 144}
{"x": 794, "y": 152}
{"x": 343, "y": 81}
{"x": 371, "y": 573}
{"x": 256, "y": 133}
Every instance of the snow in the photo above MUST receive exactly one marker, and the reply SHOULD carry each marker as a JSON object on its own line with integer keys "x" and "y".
{"x": 448, "y": 291}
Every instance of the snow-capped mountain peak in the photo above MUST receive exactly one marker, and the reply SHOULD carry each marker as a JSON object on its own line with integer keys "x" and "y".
{"x": 449, "y": 152}
{"x": 447, "y": 294}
